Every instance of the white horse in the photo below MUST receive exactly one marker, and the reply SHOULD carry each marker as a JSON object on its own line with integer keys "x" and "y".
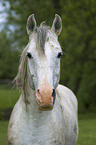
{"x": 46, "y": 113}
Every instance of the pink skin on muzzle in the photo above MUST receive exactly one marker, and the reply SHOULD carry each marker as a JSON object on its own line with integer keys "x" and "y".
{"x": 44, "y": 96}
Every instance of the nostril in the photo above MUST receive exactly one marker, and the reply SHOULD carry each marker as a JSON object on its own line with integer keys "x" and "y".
{"x": 53, "y": 92}
{"x": 38, "y": 90}
{"x": 38, "y": 96}
{"x": 54, "y": 95}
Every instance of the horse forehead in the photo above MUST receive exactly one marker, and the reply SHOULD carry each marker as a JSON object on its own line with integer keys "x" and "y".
{"x": 42, "y": 33}
{"x": 44, "y": 40}
{"x": 32, "y": 43}
{"x": 52, "y": 46}
{"x": 52, "y": 40}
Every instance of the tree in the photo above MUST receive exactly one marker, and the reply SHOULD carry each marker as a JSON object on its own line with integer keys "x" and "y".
{"x": 20, "y": 11}
{"x": 8, "y": 58}
{"x": 79, "y": 39}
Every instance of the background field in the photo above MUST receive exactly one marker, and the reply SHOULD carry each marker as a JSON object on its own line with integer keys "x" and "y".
{"x": 87, "y": 122}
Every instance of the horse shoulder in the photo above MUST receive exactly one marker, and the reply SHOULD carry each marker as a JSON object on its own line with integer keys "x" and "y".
{"x": 69, "y": 107}
{"x": 14, "y": 122}
{"x": 67, "y": 97}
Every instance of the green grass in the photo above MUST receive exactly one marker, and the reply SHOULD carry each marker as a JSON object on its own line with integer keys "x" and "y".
{"x": 8, "y": 97}
{"x": 3, "y": 132}
{"x": 87, "y": 130}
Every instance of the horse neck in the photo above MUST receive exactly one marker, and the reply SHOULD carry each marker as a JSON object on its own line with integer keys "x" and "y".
{"x": 28, "y": 94}
{"x": 29, "y": 97}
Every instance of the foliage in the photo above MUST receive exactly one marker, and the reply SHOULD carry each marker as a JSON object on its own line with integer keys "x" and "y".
{"x": 9, "y": 58}
{"x": 20, "y": 11}
{"x": 78, "y": 41}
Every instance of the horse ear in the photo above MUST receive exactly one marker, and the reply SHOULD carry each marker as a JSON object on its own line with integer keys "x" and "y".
{"x": 31, "y": 24}
{"x": 57, "y": 24}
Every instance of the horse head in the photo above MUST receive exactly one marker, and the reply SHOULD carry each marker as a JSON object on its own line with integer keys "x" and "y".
{"x": 43, "y": 58}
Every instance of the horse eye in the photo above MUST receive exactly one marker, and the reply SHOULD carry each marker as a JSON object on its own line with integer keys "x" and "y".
{"x": 59, "y": 54}
{"x": 29, "y": 55}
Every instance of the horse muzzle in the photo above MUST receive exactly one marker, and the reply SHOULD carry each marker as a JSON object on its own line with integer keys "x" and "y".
{"x": 45, "y": 97}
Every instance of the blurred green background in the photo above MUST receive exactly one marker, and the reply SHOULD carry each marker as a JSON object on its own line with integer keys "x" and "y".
{"x": 78, "y": 64}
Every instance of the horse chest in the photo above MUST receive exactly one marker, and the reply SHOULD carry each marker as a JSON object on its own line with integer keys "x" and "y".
{"x": 37, "y": 130}
{"x": 41, "y": 131}
{"x": 33, "y": 134}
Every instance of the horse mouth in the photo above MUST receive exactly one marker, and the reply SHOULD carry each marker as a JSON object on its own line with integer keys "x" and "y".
{"x": 45, "y": 108}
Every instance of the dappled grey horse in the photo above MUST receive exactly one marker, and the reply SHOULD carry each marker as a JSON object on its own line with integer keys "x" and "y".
{"x": 46, "y": 113}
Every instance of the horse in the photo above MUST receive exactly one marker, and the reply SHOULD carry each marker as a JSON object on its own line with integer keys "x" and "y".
{"x": 46, "y": 112}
